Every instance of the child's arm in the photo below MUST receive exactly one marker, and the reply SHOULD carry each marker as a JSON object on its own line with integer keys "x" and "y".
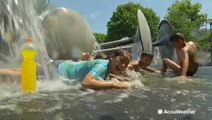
{"x": 133, "y": 65}
{"x": 130, "y": 67}
{"x": 119, "y": 77}
{"x": 15, "y": 72}
{"x": 151, "y": 70}
{"x": 185, "y": 61}
{"x": 87, "y": 56}
{"x": 90, "y": 82}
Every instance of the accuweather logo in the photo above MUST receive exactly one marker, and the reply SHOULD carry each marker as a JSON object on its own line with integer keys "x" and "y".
{"x": 173, "y": 112}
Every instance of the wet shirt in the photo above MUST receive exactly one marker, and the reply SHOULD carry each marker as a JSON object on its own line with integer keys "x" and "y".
{"x": 78, "y": 70}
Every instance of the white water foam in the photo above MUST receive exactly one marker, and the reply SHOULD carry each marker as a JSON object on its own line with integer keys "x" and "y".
{"x": 136, "y": 79}
{"x": 13, "y": 89}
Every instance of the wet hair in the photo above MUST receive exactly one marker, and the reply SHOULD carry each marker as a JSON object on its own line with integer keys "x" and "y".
{"x": 177, "y": 37}
{"x": 116, "y": 53}
{"x": 120, "y": 52}
{"x": 147, "y": 54}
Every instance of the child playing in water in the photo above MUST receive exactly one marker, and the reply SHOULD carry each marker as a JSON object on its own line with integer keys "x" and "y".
{"x": 91, "y": 73}
{"x": 186, "y": 56}
{"x": 143, "y": 63}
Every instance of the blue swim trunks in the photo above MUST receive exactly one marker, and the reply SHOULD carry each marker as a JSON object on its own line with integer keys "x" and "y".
{"x": 78, "y": 70}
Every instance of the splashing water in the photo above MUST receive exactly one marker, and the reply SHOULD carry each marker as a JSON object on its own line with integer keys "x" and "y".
{"x": 136, "y": 79}
{"x": 20, "y": 19}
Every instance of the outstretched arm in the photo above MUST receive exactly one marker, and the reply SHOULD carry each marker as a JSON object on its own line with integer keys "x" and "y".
{"x": 13, "y": 71}
{"x": 133, "y": 66}
{"x": 90, "y": 82}
{"x": 150, "y": 69}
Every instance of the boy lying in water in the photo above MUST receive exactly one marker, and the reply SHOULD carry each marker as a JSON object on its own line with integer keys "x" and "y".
{"x": 143, "y": 63}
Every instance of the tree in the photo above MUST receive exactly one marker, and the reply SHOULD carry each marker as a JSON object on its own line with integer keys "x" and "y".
{"x": 186, "y": 17}
{"x": 204, "y": 39}
{"x": 100, "y": 37}
{"x": 123, "y": 22}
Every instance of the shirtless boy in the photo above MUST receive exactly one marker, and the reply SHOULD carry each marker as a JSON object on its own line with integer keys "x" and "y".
{"x": 143, "y": 63}
{"x": 185, "y": 51}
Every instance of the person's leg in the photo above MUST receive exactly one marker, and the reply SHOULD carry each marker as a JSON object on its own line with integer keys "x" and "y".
{"x": 172, "y": 65}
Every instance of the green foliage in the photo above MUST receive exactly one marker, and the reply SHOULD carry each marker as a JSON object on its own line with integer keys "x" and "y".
{"x": 100, "y": 37}
{"x": 204, "y": 39}
{"x": 123, "y": 22}
{"x": 210, "y": 39}
{"x": 186, "y": 17}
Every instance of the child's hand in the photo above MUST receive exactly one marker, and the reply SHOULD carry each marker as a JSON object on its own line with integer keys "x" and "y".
{"x": 121, "y": 85}
{"x": 129, "y": 67}
{"x": 123, "y": 78}
{"x": 158, "y": 71}
{"x": 182, "y": 77}
{"x": 86, "y": 56}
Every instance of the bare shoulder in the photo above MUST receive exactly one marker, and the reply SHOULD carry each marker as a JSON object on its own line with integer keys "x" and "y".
{"x": 184, "y": 51}
{"x": 191, "y": 42}
{"x": 191, "y": 47}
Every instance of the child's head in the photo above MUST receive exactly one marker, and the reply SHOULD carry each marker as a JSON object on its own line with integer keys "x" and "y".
{"x": 146, "y": 58}
{"x": 177, "y": 37}
{"x": 177, "y": 40}
{"x": 119, "y": 61}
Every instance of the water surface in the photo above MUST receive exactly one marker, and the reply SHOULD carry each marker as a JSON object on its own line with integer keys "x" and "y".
{"x": 55, "y": 100}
